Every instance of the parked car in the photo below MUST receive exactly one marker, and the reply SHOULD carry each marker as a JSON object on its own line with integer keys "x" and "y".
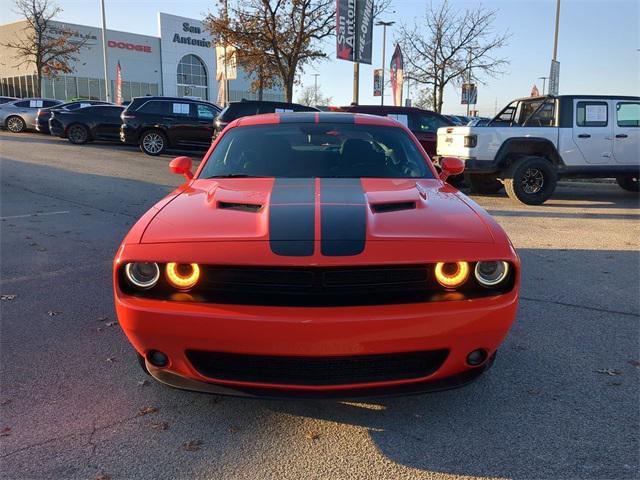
{"x": 7, "y": 99}
{"x": 330, "y": 238}
{"x": 20, "y": 115}
{"x": 246, "y": 108}
{"x": 44, "y": 114}
{"x": 423, "y": 124}
{"x": 82, "y": 125}
{"x": 535, "y": 140}
{"x": 158, "y": 123}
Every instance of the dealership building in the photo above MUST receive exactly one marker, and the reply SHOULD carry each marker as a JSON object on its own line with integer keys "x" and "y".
{"x": 180, "y": 61}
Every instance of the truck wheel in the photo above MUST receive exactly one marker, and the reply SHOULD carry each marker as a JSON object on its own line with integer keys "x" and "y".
{"x": 483, "y": 182}
{"x": 629, "y": 183}
{"x": 530, "y": 180}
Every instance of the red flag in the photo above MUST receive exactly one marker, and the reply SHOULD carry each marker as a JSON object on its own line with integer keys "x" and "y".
{"x": 397, "y": 76}
{"x": 118, "y": 84}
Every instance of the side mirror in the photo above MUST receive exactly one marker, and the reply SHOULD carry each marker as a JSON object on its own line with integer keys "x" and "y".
{"x": 450, "y": 166}
{"x": 182, "y": 166}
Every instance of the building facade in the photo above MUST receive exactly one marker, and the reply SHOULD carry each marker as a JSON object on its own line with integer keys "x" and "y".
{"x": 180, "y": 61}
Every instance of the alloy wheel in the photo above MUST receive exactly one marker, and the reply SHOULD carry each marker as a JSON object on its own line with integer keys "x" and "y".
{"x": 15, "y": 124}
{"x": 153, "y": 143}
{"x": 532, "y": 180}
{"x": 77, "y": 134}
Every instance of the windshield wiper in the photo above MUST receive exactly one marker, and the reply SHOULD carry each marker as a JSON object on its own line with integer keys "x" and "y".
{"x": 235, "y": 175}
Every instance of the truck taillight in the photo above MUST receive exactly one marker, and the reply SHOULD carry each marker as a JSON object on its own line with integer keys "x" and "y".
{"x": 470, "y": 141}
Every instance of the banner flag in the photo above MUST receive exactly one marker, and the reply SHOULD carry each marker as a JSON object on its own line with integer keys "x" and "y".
{"x": 397, "y": 76}
{"x": 469, "y": 94}
{"x": 354, "y": 30}
{"x": 377, "y": 82}
{"x": 118, "y": 84}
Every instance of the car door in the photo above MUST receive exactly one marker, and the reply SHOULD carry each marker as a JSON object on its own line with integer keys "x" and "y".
{"x": 626, "y": 129}
{"x": 109, "y": 122}
{"x": 593, "y": 130}
{"x": 184, "y": 127}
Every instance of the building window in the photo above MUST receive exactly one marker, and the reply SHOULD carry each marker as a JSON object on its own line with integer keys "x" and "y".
{"x": 192, "y": 78}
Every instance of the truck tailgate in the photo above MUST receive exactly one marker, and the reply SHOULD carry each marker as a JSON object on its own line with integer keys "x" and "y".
{"x": 451, "y": 141}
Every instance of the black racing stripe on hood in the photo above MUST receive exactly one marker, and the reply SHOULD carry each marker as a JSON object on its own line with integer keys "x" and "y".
{"x": 292, "y": 217}
{"x": 343, "y": 217}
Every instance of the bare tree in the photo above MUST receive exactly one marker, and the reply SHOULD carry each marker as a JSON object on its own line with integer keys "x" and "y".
{"x": 447, "y": 46}
{"x": 275, "y": 37}
{"x": 52, "y": 51}
{"x": 312, "y": 97}
{"x": 423, "y": 99}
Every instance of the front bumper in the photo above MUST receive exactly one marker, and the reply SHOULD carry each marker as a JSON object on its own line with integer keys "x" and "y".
{"x": 175, "y": 327}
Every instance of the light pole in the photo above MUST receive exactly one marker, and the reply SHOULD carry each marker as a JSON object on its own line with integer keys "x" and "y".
{"x": 315, "y": 89}
{"x": 555, "y": 36}
{"x": 104, "y": 53}
{"x": 384, "y": 44}
{"x": 544, "y": 82}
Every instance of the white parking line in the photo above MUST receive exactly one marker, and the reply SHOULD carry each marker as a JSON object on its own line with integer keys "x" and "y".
{"x": 35, "y": 215}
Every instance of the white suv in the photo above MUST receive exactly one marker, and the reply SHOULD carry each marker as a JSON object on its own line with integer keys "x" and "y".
{"x": 535, "y": 140}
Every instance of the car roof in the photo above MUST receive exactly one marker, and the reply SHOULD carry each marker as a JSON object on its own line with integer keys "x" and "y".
{"x": 385, "y": 108}
{"x": 316, "y": 117}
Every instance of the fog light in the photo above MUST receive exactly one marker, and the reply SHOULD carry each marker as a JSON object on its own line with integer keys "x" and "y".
{"x": 477, "y": 357}
{"x": 157, "y": 359}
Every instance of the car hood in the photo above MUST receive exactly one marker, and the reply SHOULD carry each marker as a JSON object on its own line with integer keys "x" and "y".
{"x": 340, "y": 210}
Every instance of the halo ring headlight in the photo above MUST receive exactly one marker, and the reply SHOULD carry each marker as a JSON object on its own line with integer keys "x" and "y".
{"x": 491, "y": 273}
{"x": 451, "y": 274}
{"x": 182, "y": 276}
{"x": 143, "y": 275}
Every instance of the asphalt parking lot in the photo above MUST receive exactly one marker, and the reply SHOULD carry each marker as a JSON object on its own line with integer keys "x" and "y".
{"x": 561, "y": 401}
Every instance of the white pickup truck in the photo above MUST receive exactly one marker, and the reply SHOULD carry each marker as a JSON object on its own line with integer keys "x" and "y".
{"x": 535, "y": 140}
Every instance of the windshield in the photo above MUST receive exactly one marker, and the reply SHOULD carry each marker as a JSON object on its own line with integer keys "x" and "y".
{"x": 308, "y": 150}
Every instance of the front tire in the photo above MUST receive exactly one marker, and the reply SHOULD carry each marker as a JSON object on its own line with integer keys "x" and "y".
{"x": 530, "y": 180}
{"x": 483, "y": 182}
{"x": 78, "y": 134}
{"x": 153, "y": 143}
{"x": 630, "y": 183}
{"x": 16, "y": 124}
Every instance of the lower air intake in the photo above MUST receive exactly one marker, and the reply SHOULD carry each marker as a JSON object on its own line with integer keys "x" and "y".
{"x": 317, "y": 370}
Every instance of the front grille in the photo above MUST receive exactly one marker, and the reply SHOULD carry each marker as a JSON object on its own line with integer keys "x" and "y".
{"x": 316, "y": 286}
{"x": 334, "y": 286}
{"x": 316, "y": 370}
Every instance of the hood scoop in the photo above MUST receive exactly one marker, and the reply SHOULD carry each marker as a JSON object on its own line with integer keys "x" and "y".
{"x": 242, "y": 207}
{"x": 392, "y": 206}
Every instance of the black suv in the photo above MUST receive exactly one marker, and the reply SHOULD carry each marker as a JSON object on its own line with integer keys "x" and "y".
{"x": 44, "y": 114}
{"x": 246, "y": 108}
{"x": 158, "y": 123}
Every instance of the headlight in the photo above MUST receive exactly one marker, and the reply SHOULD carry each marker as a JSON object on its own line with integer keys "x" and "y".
{"x": 490, "y": 274}
{"x": 183, "y": 276}
{"x": 453, "y": 274}
{"x": 143, "y": 275}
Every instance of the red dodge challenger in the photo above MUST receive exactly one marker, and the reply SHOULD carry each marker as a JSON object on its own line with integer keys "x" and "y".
{"x": 316, "y": 254}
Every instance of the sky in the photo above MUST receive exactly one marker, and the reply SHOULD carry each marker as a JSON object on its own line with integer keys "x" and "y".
{"x": 598, "y": 47}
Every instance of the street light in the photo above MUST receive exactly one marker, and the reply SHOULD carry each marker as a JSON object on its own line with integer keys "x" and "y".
{"x": 384, "y": 43}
